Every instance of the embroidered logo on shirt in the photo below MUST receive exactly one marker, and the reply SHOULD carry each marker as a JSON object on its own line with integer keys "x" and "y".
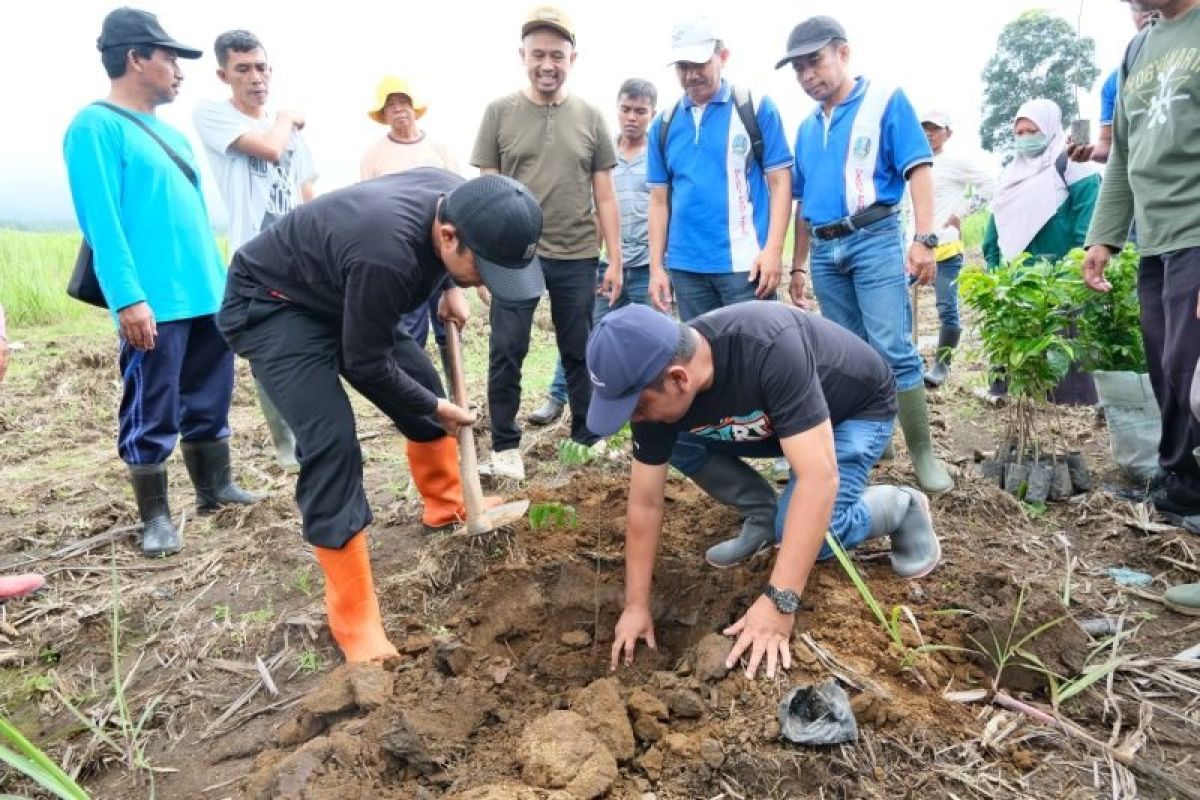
{"x": 741, "y": 145}
{"x": 862, "y": 146}
{"x": 753, "y": 427}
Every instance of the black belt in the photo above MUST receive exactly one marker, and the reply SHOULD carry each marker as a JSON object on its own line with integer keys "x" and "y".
{"x": 848, "y": 225}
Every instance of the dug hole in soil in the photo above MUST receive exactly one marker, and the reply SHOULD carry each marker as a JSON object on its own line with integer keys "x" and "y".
{"x": 503, "y": 691}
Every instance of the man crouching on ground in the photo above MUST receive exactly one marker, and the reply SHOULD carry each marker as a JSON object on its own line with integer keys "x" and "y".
{"x": 755, "y": 380}
{"x": 320, "y": 295}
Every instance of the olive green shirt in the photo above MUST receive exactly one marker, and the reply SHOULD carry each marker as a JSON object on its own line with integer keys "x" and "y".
{"x": 554, "y": 150}
{"x": 1153, "y": 174}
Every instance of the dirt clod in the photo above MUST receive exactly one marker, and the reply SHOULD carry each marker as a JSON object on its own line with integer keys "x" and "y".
{"x": 709, "y": 658}
{"x": 648, "y": 729}
{"x": 558, "y": 752}
{"x": 451, "y": 658}
{"x": 496, "y": 791}
{"x": 651, "y": 763}
{"x": 685, "y": 704}
{"x": 576, "y": 640}
{"x": 643, "y": 704}
{"x": 600, "y": 704}
{"x": 684, "y": 745}
{"x": 371, "y": 685}
{"x": 711, "y": 753}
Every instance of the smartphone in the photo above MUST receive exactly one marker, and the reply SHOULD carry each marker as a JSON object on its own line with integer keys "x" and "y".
{"x": 1081, "y": 131}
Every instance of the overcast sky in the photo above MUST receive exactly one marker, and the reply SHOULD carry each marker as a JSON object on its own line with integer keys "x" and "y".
{"x": 328, "y": 58}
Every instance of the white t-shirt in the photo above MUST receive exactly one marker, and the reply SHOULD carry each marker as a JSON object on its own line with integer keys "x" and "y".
{"x": 256, "y": 192}
{"x": 955, "y": 178}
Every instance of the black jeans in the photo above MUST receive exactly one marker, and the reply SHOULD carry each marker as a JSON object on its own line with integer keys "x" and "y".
{"x": 296, "y": 356}
{"x": 1168, "y": 288}
{"x": 572, "y": 288}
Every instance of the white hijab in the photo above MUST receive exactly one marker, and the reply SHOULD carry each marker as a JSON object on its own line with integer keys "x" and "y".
{"x": 1031, "y": 191}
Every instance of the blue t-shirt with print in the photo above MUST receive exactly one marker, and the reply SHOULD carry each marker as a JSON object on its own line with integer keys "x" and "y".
{"x": 720, "y": 205}
{"x": 1108, "y": 97}
{"x": 823, "y": 146}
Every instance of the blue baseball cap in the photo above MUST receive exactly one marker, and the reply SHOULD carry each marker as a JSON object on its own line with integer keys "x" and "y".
{"x": 626, "y": 352}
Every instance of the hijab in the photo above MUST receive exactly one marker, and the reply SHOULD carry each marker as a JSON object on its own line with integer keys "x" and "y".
{"x": 1031, "y": 190}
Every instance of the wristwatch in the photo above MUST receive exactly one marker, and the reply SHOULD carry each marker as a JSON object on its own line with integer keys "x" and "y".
{"x": 786, "y": 601}
{"x": 930, "y": 240}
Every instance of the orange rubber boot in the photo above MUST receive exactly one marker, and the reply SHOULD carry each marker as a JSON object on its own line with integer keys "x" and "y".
{"x": 351, "y": 603}
{"x": 434, "y": 469}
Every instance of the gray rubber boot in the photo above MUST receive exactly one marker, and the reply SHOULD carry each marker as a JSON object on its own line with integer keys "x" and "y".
{"x": 888, "y": 505}
{"x": 947, "y": 341}
{"x": 548, "y": 412}
{"x": 281, "y": 434}
{"x": 208, "y": 467}
{"x": 914, "y": 421}
{"x": 915, "y": 547}
{"x": 735, "y": 483}
{"x": 159, "y": 536}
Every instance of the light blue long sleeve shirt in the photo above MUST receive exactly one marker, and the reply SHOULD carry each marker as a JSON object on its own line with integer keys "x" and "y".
{"x": 146, "y": 222}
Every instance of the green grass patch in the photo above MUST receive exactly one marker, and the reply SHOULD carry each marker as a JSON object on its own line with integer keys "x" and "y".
{"x": 973, "y": 228}
{"x": 34, "y": 268}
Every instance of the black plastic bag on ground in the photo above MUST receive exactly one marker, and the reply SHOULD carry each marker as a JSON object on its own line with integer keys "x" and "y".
{"x": 818, "y": 714}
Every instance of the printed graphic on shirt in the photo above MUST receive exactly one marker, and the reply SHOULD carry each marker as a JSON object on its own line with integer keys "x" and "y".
{"x": 1156, "y": 87}
{"x": 753, "y": 427}
{"x": 284, "y": 194}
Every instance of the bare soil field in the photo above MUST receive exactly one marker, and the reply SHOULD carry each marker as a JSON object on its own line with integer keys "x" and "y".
{"x": 230, "y": 685}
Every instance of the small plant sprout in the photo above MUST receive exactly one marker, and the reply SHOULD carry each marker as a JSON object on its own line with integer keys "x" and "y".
{"x": 551, "y": 515}
{"x": 309, "y": 662}
{"x": 302, "y": 580}
{"x": 574, "y": 454}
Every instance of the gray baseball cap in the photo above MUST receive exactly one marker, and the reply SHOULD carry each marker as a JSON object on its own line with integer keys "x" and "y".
{"x": 810, "y": 36}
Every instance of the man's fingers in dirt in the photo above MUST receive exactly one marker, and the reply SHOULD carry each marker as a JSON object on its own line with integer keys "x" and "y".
{"x": 785, "y": 653}
{"x": 756, "y": 653}
{"x": 616, "y": 655}
{"x": 772, "y": 659}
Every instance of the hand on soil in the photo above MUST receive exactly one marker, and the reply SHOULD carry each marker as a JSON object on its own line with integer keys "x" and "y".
{"x": 764, "y": 631}
{"x": 452, "y": 417}
{"x": 634, "y": 624}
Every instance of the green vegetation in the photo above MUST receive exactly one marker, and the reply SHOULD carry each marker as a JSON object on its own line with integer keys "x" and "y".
{"x": 1110, "y": 329}
{"x": 22, "y": 755}
{"x": 34, "y": 268}
{"x": 547, "y": 515}
{"x": 973, "y": 228}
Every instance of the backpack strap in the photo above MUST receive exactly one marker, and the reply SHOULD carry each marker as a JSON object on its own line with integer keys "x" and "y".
{"x": 184, "y": 167}
{"x": 748, "y": 112}
{"x": 1060, "y": 166}
{"x": 1132, "y": 51}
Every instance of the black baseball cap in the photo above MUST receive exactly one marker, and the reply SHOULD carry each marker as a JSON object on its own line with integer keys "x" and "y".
{"x": 127, "y": 26}
{"x": 626, "y": 352}
{"x": 500, "y": 221}
{"x": 810, "y": 36}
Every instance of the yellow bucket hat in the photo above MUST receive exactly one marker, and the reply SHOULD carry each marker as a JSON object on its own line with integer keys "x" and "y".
{"x": 392, "y": 85}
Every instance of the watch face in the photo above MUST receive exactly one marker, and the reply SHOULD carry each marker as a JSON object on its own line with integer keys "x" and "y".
{"x": 785, "y": 600}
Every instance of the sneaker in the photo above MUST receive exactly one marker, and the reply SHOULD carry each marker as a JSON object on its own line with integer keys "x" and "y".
{"x": 598, "y": 449}
{"x": 508, "y": 464}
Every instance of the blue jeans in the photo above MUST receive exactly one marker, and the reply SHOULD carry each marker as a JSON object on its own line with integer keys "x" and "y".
{"x": 700, "y": 292}
{"x": 945, "y": 288}
{"x": 635, "y": 288}
{"x": 417, "y": 323}
{"x": 857, "y": 443}
{"x": 860, "y": 282}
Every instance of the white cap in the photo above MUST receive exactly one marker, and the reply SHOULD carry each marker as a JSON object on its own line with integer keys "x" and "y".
{"x": 693, "y": 40}
{"x": 938, "y": 118}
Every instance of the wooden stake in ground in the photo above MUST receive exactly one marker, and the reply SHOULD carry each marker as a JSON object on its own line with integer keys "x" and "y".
{"x": 479, "y": 519}
{"x": 916, "y": 308}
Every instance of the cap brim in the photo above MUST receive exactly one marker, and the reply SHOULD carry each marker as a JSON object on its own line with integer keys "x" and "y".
{"x": 606, "y": 417}
{"x": 808, "y": 48}
{"x": 692, "y": 54}
{"x": 559, "y": 29}
{"x": 181, "y": 50}
{"x": 512, "y": 285}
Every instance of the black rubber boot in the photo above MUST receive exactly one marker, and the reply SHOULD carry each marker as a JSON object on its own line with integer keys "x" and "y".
{"x": 947, "y": 341}
{"x": 208, "y": 466}
{"x": 735, "y": 483}
{"x": 159, "y": 536}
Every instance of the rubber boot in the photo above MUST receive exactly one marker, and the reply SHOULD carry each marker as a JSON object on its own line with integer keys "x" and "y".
{"x": 547, "y": 412}
{"x": 914, "y": 421}
{"x": 434, "y": 469}
{"x": 1184, "y": 599}
{"x": 351, "y": 603}
{"x": 281, "y": 434}
{"x": 947, "y": 341}
{"x": 14, "y": 586}
{"x": 903, "y": 514}
{"x": 208, "y": 466}
{"x": 735, "y": 483}
{"x": 159, "y": 536}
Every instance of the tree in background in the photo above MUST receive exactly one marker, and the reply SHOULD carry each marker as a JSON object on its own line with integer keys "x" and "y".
{"x": 1037, "y": 55}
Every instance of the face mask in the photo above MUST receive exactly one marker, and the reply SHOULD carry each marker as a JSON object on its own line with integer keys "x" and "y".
{"x": 1033, "y": 144}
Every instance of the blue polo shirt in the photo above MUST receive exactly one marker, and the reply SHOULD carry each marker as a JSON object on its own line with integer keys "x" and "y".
{"x": 819, "y": 178}
{"x": 1108, "y": 97}
{"x": 720, "y": 205}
